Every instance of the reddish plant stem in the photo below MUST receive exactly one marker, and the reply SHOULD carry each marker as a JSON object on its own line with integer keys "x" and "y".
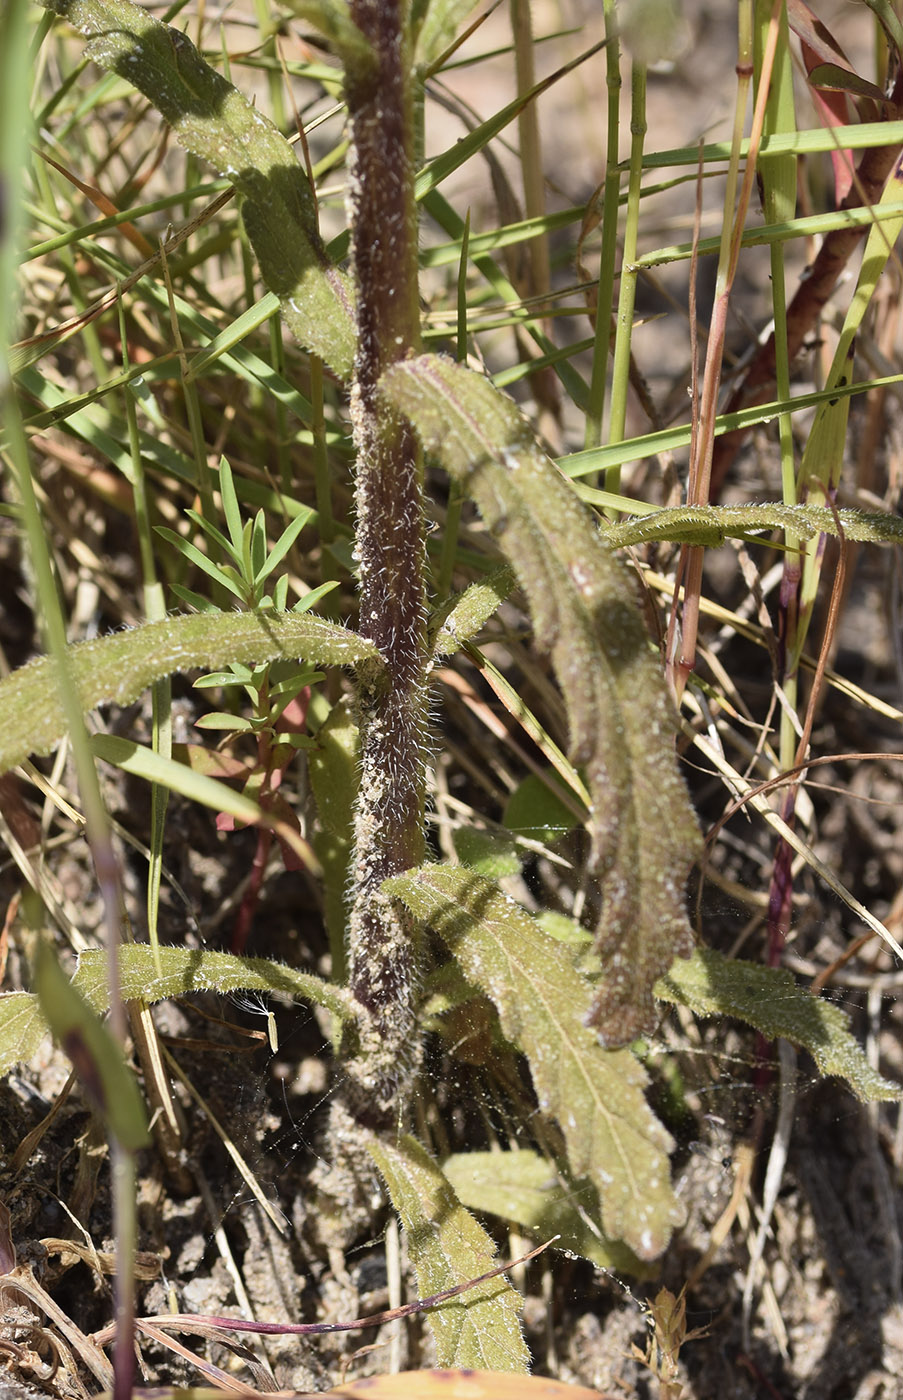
{"x": 205, "y": 1325}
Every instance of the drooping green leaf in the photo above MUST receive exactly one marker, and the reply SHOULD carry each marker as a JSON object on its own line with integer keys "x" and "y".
{"x": 182, "y": 970}
{"x": 586, "y": 616}
{"x": 770, "y": 999}
{"x": 528, "y": 1190}
{"x": 595, "y": 1095}
{"x": 185, "y": 970}
{"x": 447, "y": 1247}
{"x": 833, "y": 78}
{"x": 213, "y": 120}
{"x": 109, "y": 1084}
{"x": 118, "y": 667}
{"x": 712, "y": 525}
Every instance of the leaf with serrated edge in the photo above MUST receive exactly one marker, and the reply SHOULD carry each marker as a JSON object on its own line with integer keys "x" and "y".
{"x": 118, "y": 667}
{"x": 526, "y": 1189}
{"x": 447, "y": 1247}
{"x": 595, "y": 1095}
{"x": 586, "y": 616}
{"x": 770, "y": 999}
{"x": 213, "y": 120}
{"x": 184, "y": 970}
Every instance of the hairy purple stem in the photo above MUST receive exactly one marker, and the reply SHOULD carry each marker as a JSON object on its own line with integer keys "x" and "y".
{"x": 390, "y": 548}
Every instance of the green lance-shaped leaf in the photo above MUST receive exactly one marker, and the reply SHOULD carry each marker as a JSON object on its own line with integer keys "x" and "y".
{"x": 491, "y": 853}
{"x": 118, "y": 667}
{"x": 183, "y": 970}
{"x": 213, "y": 120}
{"x": 447, "y": 1247}
{"x": 595, "y": 1095}
{"x": 467, "y": 613}
{"x": 97, "y": 1059}
{"x": 770, "y": 999}
{"x": 832, "y": 78}
{"x": 712, "y": 525}
{"x": 537, "y": 813}
{"x": 528, "y": 1190}
{"x": 586, "y": 616}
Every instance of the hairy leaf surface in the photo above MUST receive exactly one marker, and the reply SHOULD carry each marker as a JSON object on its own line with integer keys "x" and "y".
{"x": 96, "y": 1057}
{"x": 184, "y": 970}
{"x": 712, "y": 525}
{"x": 22, "y": 1028}
{"x": 333, "y": 766}
{"x": 586, "y": 616}
{"x": 448, "y": 1247}
{"x": 771, "y": 999}
{"x": 595, "y": 1095}
{"x": 469, "y": 611}
{"x": 187, "y": 970}
{"x": 213, "y": 120}
{"x": 118, "y": 667}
